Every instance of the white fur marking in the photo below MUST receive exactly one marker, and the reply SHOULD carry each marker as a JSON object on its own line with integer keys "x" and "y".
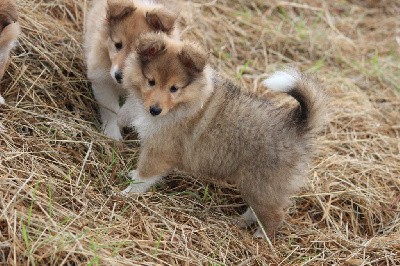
{"x": 112, "y": 130}
{"x": 2, "y": 101}
{"x": 259, "y": 233}
{"x": 139, "y": 184}
{"x": 106, "y": 92}
{"x": 282, "y": 81}
{"x": 112, "y": 72}
{"x": 246, "y": 219}
{"x": 148, "y": 3}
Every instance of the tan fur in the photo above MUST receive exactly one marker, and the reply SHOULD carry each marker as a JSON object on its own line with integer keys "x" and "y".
{"x": 117, "y": 22}
{"x": 9, "y": 31}
{"x": 209, "y": 128}
{"x": 176, "y": 74}
{"x": 8, "y": 13}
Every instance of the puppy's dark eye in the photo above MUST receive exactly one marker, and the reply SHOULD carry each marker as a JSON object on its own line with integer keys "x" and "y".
{"x": 118, "y": 45}
{"x": 152, "y": 82}
{"x": 173, "y": 89}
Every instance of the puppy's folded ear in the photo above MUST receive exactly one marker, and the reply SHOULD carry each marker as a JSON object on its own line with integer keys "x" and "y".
{"x": 160, "y": 19}
{"x": 119, "y": 9}
{"x": 193, "y": 58}
{"x": 150, "y": 45}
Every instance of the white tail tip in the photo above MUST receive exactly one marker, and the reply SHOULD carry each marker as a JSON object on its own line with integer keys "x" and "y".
{"x": 282, "y": 81}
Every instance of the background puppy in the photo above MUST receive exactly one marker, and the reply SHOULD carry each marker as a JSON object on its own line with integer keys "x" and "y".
{"x": 9, "y": 31}
{"x": 111, "y": 30}
{"x": 190, "y": 119}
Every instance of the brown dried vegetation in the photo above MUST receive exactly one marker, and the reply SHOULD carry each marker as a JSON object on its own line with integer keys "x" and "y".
{"x": 57, "y": 172}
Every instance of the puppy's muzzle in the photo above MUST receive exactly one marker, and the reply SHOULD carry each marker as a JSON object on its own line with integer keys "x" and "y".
{"x": 155, "y": 110}
{"x": 118, "y": 76}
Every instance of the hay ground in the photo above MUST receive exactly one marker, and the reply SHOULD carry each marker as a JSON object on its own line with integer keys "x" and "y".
{"x": 58, "y": 172}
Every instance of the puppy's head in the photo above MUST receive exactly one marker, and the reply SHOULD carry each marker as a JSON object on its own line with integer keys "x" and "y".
{"x": 125, "y": 22}
{"x": 166, "y": 73}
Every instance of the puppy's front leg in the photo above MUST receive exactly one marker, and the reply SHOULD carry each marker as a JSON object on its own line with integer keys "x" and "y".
{"x": 152, "y": 167}
{"x": 107, "y": 96}
{"x": 139, "y": 184}
{"x": 126, "y": 113}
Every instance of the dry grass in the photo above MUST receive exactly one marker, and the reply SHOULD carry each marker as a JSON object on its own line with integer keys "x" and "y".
{"x": 57, "y": 172}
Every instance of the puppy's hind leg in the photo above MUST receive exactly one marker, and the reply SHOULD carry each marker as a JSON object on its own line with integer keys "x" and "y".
{"x": 246, "y": 219}
{"x": 267, "y": 205}
{"x": 270, "y": 216}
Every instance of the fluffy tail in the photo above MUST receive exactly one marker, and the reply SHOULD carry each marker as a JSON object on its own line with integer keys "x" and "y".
{"x": 310, "y": 115}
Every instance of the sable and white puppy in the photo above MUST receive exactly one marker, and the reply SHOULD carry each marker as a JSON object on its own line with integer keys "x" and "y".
{"x": 9, "y": 31}
{"x": 190, "y": 119}
{"x": 112, "y": 28}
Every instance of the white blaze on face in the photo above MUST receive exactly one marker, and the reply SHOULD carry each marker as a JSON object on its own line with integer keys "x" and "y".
{"x": 113, "y": 70}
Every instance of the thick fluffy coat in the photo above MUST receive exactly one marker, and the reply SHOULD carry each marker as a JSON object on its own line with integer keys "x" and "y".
{"x": 190, "y": 119}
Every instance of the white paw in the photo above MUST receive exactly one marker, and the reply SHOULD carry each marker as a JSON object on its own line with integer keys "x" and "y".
{"x": 246, "y": 219}
{"x": 112, "y": 131}
{"x": 124, "y": 118}
{"x": 259, "y": 233}
{"x": 138, "y": 184}
{"x": 2, "y": 101}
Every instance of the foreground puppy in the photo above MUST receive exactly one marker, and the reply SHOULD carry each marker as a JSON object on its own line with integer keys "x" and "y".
{"x": 9, "y": 31}
{"x": 190, "y": 119}
{"x": 111, "y": 30}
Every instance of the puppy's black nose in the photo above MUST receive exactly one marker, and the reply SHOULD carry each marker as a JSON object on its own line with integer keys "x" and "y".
{"x": 118, "y": 76}
{"x": 155, "y": 110}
